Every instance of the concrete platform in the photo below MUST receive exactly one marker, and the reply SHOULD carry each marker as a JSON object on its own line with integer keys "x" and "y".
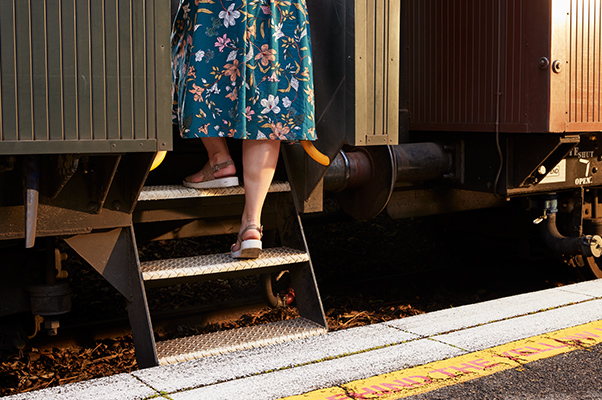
{"x": 337, "y": 358}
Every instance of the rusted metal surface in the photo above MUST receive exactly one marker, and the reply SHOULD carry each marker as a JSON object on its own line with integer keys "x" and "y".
{"x": 350, "y": 170}
{"x": 413, "y": 162}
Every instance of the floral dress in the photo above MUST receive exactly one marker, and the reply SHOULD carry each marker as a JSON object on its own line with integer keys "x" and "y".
{"x": 243, "y": 69}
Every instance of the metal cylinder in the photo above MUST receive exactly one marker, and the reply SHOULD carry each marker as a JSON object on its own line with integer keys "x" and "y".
{"x": 349, "y": 170}
{"x": 422, "y": 161}
{"x": 361, "y": 168}
{"x": 50, "y": 299}
{"x": 414, "y": 162}
{"x": 337, "y": 176}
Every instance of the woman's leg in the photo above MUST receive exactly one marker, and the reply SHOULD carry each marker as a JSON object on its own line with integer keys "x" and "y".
{"x": 218, "y": 152}
{"x": 259, "y": 164}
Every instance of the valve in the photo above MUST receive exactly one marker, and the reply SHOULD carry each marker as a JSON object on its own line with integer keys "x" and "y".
{"x": 594, "y": 243}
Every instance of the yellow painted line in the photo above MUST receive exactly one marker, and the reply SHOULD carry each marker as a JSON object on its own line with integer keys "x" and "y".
{"x": 438, "y": 374}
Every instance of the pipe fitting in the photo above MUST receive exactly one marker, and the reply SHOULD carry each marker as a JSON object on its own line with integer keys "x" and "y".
{"x": 588, "y": 246}
{"x": 595, "y": 244}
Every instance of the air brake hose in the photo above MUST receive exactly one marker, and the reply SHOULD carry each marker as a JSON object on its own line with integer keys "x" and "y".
{"x": 566, "y": 246}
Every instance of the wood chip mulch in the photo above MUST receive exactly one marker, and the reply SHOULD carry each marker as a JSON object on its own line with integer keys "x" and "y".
{"x": 35, "y": 368}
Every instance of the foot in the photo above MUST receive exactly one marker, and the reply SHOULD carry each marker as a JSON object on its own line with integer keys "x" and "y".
{"x": 248, "y": 244}
{"x": 213, "y": 176}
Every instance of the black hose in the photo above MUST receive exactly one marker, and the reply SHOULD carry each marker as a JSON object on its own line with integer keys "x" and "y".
{"x": 568, "y": 246}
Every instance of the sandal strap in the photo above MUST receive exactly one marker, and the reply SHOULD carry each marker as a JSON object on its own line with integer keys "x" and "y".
{"x": 248, "y": 228}
{"x": 209, "y": 171}
{"x": 221, "y": 166}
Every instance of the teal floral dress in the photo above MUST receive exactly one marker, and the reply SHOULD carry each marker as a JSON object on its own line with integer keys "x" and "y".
{"x": 243, "y": 69}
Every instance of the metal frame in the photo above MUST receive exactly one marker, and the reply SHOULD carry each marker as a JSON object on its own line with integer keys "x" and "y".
{"x": 115, "y": 256}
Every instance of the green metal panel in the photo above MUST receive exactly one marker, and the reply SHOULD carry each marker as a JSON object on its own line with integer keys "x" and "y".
{"x": 24, "y": 96}
{"x": 55, "y": 65}
{"x": 8, "y": 106}
{"x": 90, "y": 71}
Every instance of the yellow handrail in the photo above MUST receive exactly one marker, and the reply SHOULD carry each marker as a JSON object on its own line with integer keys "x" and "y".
{"x": 158, "y": 159}
{"x": 314, "y": 153}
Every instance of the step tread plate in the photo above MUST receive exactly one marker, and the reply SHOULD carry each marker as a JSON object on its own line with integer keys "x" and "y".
{"x": 195, "y": 347}
{"x": 219, "y": 263}
{"x": 178, "y": 192}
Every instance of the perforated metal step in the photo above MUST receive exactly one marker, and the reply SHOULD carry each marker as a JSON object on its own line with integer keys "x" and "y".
{"x": 194, "y": 347}
{"x": 218, "y": 263}
{"x": 175, "y": 192}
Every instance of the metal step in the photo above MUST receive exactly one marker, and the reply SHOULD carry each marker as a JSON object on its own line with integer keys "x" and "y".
{"x": 176, "y": 192}
{"x": 194, "y": 347}
{"x": 218, "y": 263}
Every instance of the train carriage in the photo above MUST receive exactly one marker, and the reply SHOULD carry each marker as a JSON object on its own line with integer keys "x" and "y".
{"x": 423, "y": 107}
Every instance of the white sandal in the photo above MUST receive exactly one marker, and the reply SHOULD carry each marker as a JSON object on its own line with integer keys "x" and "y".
{"x": 250, "y": 248}
{"x": 208, "y": 172}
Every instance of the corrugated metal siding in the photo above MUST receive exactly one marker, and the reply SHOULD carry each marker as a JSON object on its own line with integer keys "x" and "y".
{"x": 585, "y": 68}
{"x": 82, "y": 70}
{"x": 457, "y": 49}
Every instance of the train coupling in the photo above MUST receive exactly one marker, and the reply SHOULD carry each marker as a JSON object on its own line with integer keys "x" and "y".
{"x": 365, "y": 177}
{"x": 585, "y": 245}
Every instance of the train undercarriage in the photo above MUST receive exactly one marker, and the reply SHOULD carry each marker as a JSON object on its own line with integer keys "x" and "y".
{"x": 422, "y": 179}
